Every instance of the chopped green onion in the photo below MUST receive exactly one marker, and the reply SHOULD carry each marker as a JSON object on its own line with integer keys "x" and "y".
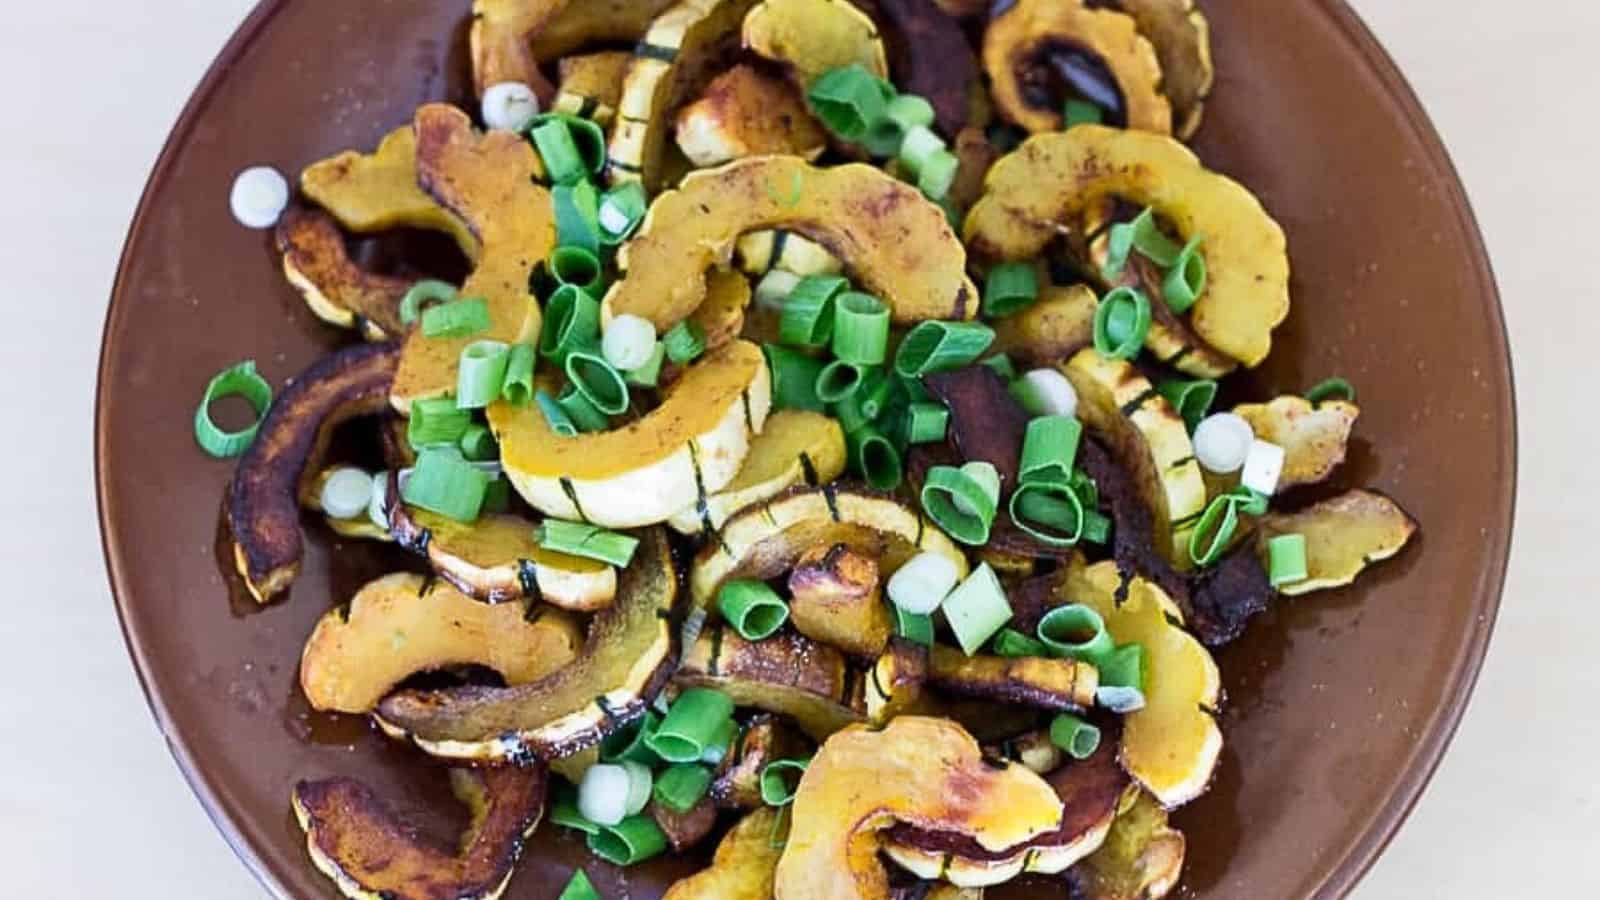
{"x": 587, "y": 138}
{"x": 874, "y": 458}
{"x": 518, "y": 387}
{"x": 1214, "y": 531}
{"x": 456, "y": 319}
{"x": 435, "y": 422}
{"x": 564, "y": 810}
{"x": 927, "y": 423}
{"x": 685, "y": 341}
{"x": 1120, "y": 700}
{"x": 860, "y": 329}
{"x": 597, "y": 380}
{"x": 1002, "y": 366}
{"x": 621, "y": 210}
{"x": 1186, "y": 280}
{"x": 587, "y": 541}
{"x": 1013, "y": 643}
{"x": 1251, "y": 502}
{"x": 940, "y": 491}
{"x": 683, "y": 785}
{"x": 693, "y": 721}
{"x": 794, "y": 378}
{"x": 1121, "y": 322}
{"x": 554, "y": 415}
{"x": 1045, "y": 392}
{"x": 639, "y": 785}
{"x": 918, "y": 146}
{"x": 628, "y": 341}
{"x": 935, "y": 346}
{"x": 1122, "y": 667}
{"x": 579, "y": 888}
{"x": 497, "y": 499}
{"x": 1049, "y": 511}
{"x": 633, "y": 840}
{"x": 838, "y": 380}
{"x": 910, "y": 111}
{"x": 808, "y": 317}
{"x": 780, "y": 779}
{"x": 1074, "y": 735}
{"x": 445, "y": 483}
{"x": 576, "y": 266}
{"x": 1010, "y": 288}
{"x": 426, "y": 291}
{"x": 1144, "y": 235}
{"x": 722, "y": 744}
{"x": 586, "y": 417}
{"x": 1332, "y": 389}
{"x": 577, "y": 210}
{"x": 849, "y": 413}
{"x": 752, "y": 607}
{"x": 553, "y": 139}
{"x": 628, "y": 743}
{"x": 649, "y": 374}
{"x": 1082, "y": 112}
{"x": 346, "y": 492}
{"x": 477, "y": 444}
{"x": 883, "y": 138}
{"x": 937, "y": 173}
{"x": 848, "y": 100}
{"x": 922, "y": 583}
{"x": 239, "y": 380}
{"x": 875, "y": 393}
{"x": 1049, "y": 449}
{"x": 914, "y": 627}
{"x": 987, "y": 477}
{"x": 481, "y": 373}
{"x": 1192, "y": 399}
{"x": 1286, "y": 559}
{"x": 1082, "y": 485}
{"x": 1076, "y": 632}
{"x": 572, "y": 322}
{"x": 977, "y": 609}
{"x": 1096, "y": 526}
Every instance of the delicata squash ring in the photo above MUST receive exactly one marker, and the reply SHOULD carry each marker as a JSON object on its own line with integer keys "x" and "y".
{"x": 510, "y": 38}
{"x": 1050, "y": 180}
{"x": 893, "y": 241}
{"x": 811, "y": 37}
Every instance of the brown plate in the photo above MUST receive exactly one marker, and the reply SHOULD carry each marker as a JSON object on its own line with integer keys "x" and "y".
{"x": 1340, "y": 704}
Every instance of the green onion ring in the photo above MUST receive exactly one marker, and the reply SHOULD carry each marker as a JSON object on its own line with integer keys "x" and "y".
{"x": 239, "y": 380}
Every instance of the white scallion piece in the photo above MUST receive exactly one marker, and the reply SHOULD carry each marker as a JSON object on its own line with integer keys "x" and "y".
{"x": 346, "y": 493}
{"x": 260, "y": 195}
{"x": 1120, "y": 699}
{"x": 1046, "y": 392}
{"x": 509, "y": 105}
{"x": 628, "y": 342}
{"x": 639, "y": 784}
{"x": 612, "y": 219}
{"x": 1263, "y": 466}
{"x": 378, "y": 503}
{"x": 603, "y": 794}
{"x": 919, "y": 586}
{"x": 774, "y": 288}
{"x": 1221, "y": 442}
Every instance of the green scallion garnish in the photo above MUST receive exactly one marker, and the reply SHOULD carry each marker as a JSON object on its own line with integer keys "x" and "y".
{"x": 1192, "y": 399}
{"x": 1082, "y": 112}
{"x": 456, "y": 319}
{"x": 239, "y": 380}
{"x": 649, "y": 374}
{"x": 1121, "y": 322}
{"x": 794, "y": 378}
{"x": 1010, "y": 288}
{"x": 1286, "y": 559}
{"x": 937, "y": 173}
{"x": 436, "y": 422}
{"x": 838, "y": 380}
{"x": 425, "y": 292}
{"x": 517, "y": 389}
{"x": 633, "y": 840}
{"x": 1075, "y": 632}
{"x": 1186, "y": 280}
{"x": 477, "y": 444}
{"x": 557, "y": 418}
{"x": 1002, "y": 365}
{"x": 587, "y": 541}
{"x": 1122, "y": 667}
{"x": 585, "y": 416}
{"x": 578, "y": 267}
{"x": 577, "y": 212}
{"x": 1331, "y": 389}
{"x": 597, "y": 380}
{"x": 1050, "y": 511}
{"x": 684, "y": 342}
{"x": 848, "y": 100}
{"x": 1049, "y": 449}
{"x": 959, "y": 504}
{"x": 553, "y": 139}
{"x": 860, "y": 329}
{"x": 936, "y": 346}
{"x": 579, "y": 888}
{"x": 808, "y": 317}
{"x": 628, "y": 743}
{"x": 780, "y": 779}
{"x": 621, "y": 210}
{"x": 692, "y": 723}
{"x": 1014, "y": 644}
{"x": 874, "y": 457}
{"x": 564, "y": 809}
{"x": 1214, "y": 531}
{"x": 977, "y": 609}
{"x": 571, "y": 323}
{"x": 587, "y": 138}
{"x": 926, "y": 423}
{"x": 481, "y": 373}
{"x": 914, "y": 627}
{"x": 752, "y": 607}
{"x": 1141, "y": 234}
{"x": 682, "y": 785}
{"x": 1078, "y": 738}
{"x": 445, "y": 483}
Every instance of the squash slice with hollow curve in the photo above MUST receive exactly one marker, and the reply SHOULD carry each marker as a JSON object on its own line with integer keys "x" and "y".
{"x": 1181, "y": 34}
{"x": 1027, "y": 34}
{"x": 1141, "y": 859}
{"x": 1343, "y": 535}
{"x": 786, "y": 674}
{"x": 926, "y": 772}
{"x": 645, "y": 471}
{"x": 1052, "y": 329}
{"x": 403, "y": 624}
{"x": 510, "y": 38}
{"x": 630, "y": 650}
{"x": 1047, "y": 183}
{"x": 745, "y": 112}
{"x": 811, "y": 37}
{"x": 337, "y": 290}
{"x": 358, "y": 841}
{"x": 369, "y": 193}
{"x": 1314, "y": 438}
{"x": 743, "y": 866}
{"x": 795, "y": 447}
{"x": 895, "y": 243}
{"x": 591, "y": 85}
{"x": 487, "y": 181}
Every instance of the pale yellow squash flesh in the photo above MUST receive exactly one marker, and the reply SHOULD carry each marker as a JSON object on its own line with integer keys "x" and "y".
{"x": 795, "y": 447}
{"x": 744, "y": 863}
{"x": 369, "y": 193}
{"x": 1343, "y": 535}
{"x": 812, "y": 37}
{"x": 1314, "y": 438}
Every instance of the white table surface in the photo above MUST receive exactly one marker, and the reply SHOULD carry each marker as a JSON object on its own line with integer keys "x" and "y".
{"x": 92, "y": 804}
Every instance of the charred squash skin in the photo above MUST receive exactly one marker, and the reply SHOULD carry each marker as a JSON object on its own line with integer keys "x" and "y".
{"x": 358, "y": 841}
{"x": 263, "y": 509}
{"x": 338, "y": 290}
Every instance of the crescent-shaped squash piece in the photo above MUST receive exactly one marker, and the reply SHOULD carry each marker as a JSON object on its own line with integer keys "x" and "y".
{"x": 1052, "y": 329}
{"x": 811, "y": 37}
{"x": 1141, "y": 859}
{"x": 1314, "y": 438}
{"x": 786, "y": 674}
{"x": 1343, "y": 535}
{"x": 337, "y": 290}
{"x": 1181, "y": 34}
{"x": 591, "y": 85}
{"x": 743, "y": 866}
{"x": 1049, "y": 181}
{"x": 795, "y": 447}
{"x": 510, "y": 38}
{"x": 369, "y": 193}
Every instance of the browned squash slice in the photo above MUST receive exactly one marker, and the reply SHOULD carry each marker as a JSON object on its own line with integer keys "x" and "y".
{"x": 744, "y": 112}
{"x": 1018, "y": 47}
{"x": 811, "y": 37}
{"x": 1047, "y": 183}
{"x": 498, "y": 558}
{"x": 337, "y": 290}
{"x": 510, "y": 38}
{"x": 795, "y": 447}
{"x": 933, "y": 59}
{"x": 1314, "y": 438}
{"x": 1090, "y": 792}
{"x": 928, "y": 773}
{"x": 1182, "y": 38}
{"x": 766, "y": 738}
{"x": 1053, "y": 329}
{"x": 403, "y": 624}
{"x": 487, "y": 181}
{"x": 896, "y": 244}
{"x": 743, "y": 866}
{"x": 1141, "y": 859}
{"x": 629, "y": 652}
{"x": 764, "y": 541}
{"x": 1343, "y": 535}
{"x": 895, "y": 682}
{"x": 684, "y": 830}
{"x": 721, "y": 317}
{"x": 786, "y": 674}
{"x": 378, "y": 192}
{"x": 836, "y": 597}
{"x": 1054, "y": 684}
{"x": 591, "y": 85}
{"x": 262, "y": 504}
{"x": 358, "y": 840}
{"x": 596, "y": 22}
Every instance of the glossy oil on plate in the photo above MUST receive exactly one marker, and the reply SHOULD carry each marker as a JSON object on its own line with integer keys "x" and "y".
{"x": 1339, "y": 704}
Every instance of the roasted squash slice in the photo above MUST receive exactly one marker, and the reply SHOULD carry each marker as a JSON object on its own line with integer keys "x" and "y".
{"x": 788, "y": 674}
{"x": 357, "y": 840}
{"x": 764, "y": 540}
{"x": 1141, "y": 859}
{"x": 795, "y": 447}
{"x": 811, "y": 37}
{"x": 684, "y": 48}
{"x": 721, "y": 317}
{"x": 895, "y": 682}
{"x": 1314, "y": 438}
{"x": 1018, "y": 47}
{"x": 1090, "y": 792}
{"x": 766, "y": 738}
{"x": 629, "y": 652}
{"x": 403, "y": 624}
{"x": 1344, "y": 536}
{"x": 744, "y": 112}
{"x": 1051, "y": 179}
{"x": 895, "y": 243}
{"x": 337, "y": 290}
{"x": 487, "y": 181}
{"x": 1148, "y": 437}
{"x": 1054, "y": 684}
{"x": 263, "y": 500}
{"x": 836, "y": 597}
{"x": 378, "y": 192}
{"x": 1172, "y": 745}
{"x": 743, "y": 866}
{"x": 1181, "y": 34}
{"x": 498, "y": 558}
{"x": 647, "y": 470}
{"x": 510, "y": 38}
{"x": 1056, "y": 326}
{"x": 926, "y": 772}
{"x": 591, "y": 85}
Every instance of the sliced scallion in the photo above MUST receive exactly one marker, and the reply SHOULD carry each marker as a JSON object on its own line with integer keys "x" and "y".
{"x": 436, "y": 422}
{"x": 752, "y": 607}
{"x": 588, "y": 140}
{"x": 927, "y": 423}
{"x": 621, "y": 210}
{"x": 1049, "y": 449}
{"x": 874, "y": 458}
{"x": 780, "y": 779}
{"x": 1082, "y": 112}
{"x": 517, "y": 389}
{"x": 1144, "y": 235}
{"x": 692, "y": 722}
{"x": 860, "y": 328}
{"x": 445, "y": 483}
{"x": 558, "y": 150}
{"x": 1121, "y": 322}
{"x": 585, "y": 416}
{"x": 681, "y": 786}
{"x": 838, "y": 380}
{"x": 577, "y": 213}
{"x": 940, "y": 490}
{"x": 1331, "y": 389}
{"x": 628, "y": 743}
{"x": 684, "y": 341}
{"x": 977, "y": 609}
{"x": 598, "y": 380}
{"x": 564, "y": 810}
{"x": 875, "y": 394}
{"x": 1122, "y": 667}
{"x": 649, "y": 374}
{"x": 1214, "y": 531}
{"x": 794, "y": 378}
{"x": 808, "y": 316}
{"x": 477, "y": 444}
{"x": 587, "y": 541}
{"x": 425, "y": 292}
{"x": 1078, "y": 738}
{"x": 919, "y": 586}
{"x": 1002, "y": 366}
{"x": 1013, "y": 643}
{"x": 554, "y": 415}
{"x": 1045, "y": 392}
{"x": 632, "y": 841}
{"x": 910, "y": 111}
{"x": 936, "y": 346}
{"x": 1186, "y": 280}
{"x": 456, "y": 319}
{"x": 1010, "y": 288}
{"x": 628, "y": 341}
{"x": 919, "y": 144}
{"x": 1191, "y": 399}
{"x": 1075, "y": 632}
{"x": 1050, "y": 511}
{"x": 571, "y": 322}
{"x": 1286, "y": 559}
{"x": 481, "y": 373}
{"x": 579, "y": 888}
{"x": 576, "y": 266}
{"x": 720, "y": 745}
{"x": 914, "y": 627}
{"x": 937, "y": 173}
{"x": 848, "y": 100}
{"x": 238, "y": 380}
{"x": 346, "y": 493}
{"x": 1120, "y": 700}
